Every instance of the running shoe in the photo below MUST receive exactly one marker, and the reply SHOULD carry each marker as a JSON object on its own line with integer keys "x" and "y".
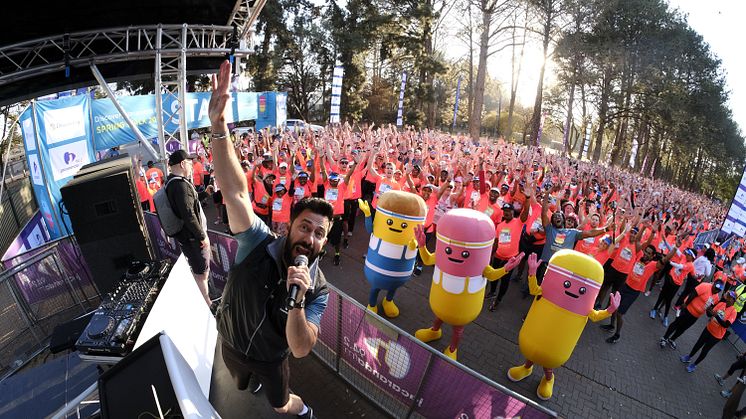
{"x": 725, "y": 393}
{"x": 685, "y": 359}
{"x": 672, "y": 344}
{"x": 719, "y": 379}
{"x": 663, "y": 342}
{"x": 418, "y": 270}
{"x": 678, "y": 312}
{"x": 653, "y": 314}
{"x": 308, "y": 415}
{"x": 613, "y": 339}
{"x": 665, "y": 322}
{"x": 607, "y": 327}
{"x": 489, "y": 295}
{"x": 690, "y": 368}
{"x": 647, "y": 293}
{"x": 346, "y": 243}
{"x": 336, "y": 260}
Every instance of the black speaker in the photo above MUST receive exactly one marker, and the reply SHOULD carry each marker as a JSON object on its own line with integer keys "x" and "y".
{"x": 129, "y": 389}
{"x": 107, "y": 219}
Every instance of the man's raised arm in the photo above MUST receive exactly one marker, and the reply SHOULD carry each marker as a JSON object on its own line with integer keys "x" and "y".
{"x": 227, "y": 167}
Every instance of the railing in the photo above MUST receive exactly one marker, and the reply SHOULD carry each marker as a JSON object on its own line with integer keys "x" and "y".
{"x": 41, "y": 289}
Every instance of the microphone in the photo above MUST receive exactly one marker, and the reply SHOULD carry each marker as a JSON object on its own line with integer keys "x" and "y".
{"x": 300, "y": 260}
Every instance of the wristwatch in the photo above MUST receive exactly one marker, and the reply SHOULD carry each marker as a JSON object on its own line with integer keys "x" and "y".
{"x": 300, "y": 304}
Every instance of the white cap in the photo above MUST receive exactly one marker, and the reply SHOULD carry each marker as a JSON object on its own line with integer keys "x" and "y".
{"x": 283, "y": 164}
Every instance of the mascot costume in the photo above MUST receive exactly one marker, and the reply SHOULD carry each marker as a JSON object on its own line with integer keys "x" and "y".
{"x": 461, "y": 259}
{"x": 561, "y": 308}
{"x": 392, "y": 249}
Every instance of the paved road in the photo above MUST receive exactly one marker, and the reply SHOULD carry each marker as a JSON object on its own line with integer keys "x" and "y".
{"x": 633, "y": 378}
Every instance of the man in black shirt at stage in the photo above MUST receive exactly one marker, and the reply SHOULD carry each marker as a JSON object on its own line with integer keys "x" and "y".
{"x": 185, "y": 203}
{"x": 257, "y": 332}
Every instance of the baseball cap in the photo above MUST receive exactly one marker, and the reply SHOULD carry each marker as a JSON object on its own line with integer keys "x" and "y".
{"x": 507, "y": 206}
{"x": 303, "y": 174}
{"x": 496, "y": 189}
{"x": 505, "y": 185}
{"x": 266, "y": 157}
{"x": 731, "y": 294}
{"x": 280, "y": 187}
{"x": 283, "y": 164}
{"x": 430, "y": 186}
{"x": 309, "y": 163}
{"x": 689, "y": 252}
{"x": 740, "y": 261}
{"x": 333, "y": 176}
{"x": 178, "y": 156}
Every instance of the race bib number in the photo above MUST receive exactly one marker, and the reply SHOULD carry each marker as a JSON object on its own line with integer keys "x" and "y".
{"x": 475, "y": 196}
{"x": 385, "y": 187}
{"x": 282, "y": 181}
{"x": 638, "y": 269}
{"x": 626, "y": 254}
{"x": 589, "y": 240}
{"x": 277, "y": 205}
{"x": 504, "y": 236}
{"x": 299, "y": 192}
{"x": 265, "y": 198}
{"x": 331, "y": 195}
{"x": 489, "y": 211}
{"x": 536, "y": 226}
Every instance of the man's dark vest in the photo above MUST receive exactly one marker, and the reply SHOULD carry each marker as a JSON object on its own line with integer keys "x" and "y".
{"x": 253, "y": 301}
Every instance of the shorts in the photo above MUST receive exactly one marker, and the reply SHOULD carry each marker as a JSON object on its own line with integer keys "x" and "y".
{"x": 614, "y": 278}
{"x": 628, "y": 297}
{"x": 335, "y": 233}
{"x": 217, "y": 198}
{"x": 274, "y": 376}
{"x": 197, "y": 257}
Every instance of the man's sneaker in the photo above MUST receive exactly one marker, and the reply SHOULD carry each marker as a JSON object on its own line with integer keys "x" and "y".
{"x": 663, "y": 342}
{"x": 346, "y": 243}
{"x": 494, "y": 304}
{"x": 613, "y": 339}
{"x": 691, "y": 367}
{"x": 349, "y": 234}
{"x": 647, "y": 293}
{"x": 672, "y": 344}
{"x": 725, "y": 393}
{"x": 665, "y": 322}
{"x": 309, "y": 414}
{"x": 678, "y": 312}
{"x": 489, "y": 295}
{"x": 653, "y": 314}
{"x": 685, "y": 359}
{"x": 607, "y": 327}
{"x": 336, "y": 260}
{"x": 719, "y": 379}
{"x": 418, "y": 270}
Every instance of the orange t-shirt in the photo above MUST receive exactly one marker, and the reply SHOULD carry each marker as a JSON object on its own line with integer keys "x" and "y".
{"x": 431, "y": 203}
{"x": 640, "y": 274}
{"x": 198, "y": 171}
{"x": 383, "y": 185}
{"x": 714, "y": 327}
{"x": 494, "y": 211}
{"x": 508, "y": 235}
{"x": 281, "y": 208}
{"x": 155, "y": 174}
{"x": 261, "y": 197}
{"x": 678, "y": 276}
{"x": 335, "y": 196}
{"x": 696, "y": 307}
{"x": 626, "y": 257}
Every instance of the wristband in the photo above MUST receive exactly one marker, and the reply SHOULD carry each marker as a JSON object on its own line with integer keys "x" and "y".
{"x": 216, "y": 136}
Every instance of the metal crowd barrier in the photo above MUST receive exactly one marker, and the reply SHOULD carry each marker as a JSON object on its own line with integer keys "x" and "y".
{"x": 40, "y": 289}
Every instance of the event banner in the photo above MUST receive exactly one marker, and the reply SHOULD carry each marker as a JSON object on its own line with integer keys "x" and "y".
{"x": 735, "y": 221}
{"x": 223, "y": 249}
{"x": 271, "y": 109}
{"x": 33, "y": 235}
{"x": 56, "y": 137}
{"x": 111, "y": 130}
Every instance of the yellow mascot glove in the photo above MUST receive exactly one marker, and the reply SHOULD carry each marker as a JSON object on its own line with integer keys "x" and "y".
{"x": 364, "y": 207}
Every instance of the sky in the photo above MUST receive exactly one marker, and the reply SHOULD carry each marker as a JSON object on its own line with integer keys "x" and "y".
{"x": 720, "y": 22}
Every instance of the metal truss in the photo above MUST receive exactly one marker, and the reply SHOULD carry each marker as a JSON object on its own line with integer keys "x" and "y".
{"x": 244, "y": 16}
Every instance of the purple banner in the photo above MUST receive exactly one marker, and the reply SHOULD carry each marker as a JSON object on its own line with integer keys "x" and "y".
{"x": 391, "y": 361}
{"x": 450, "y": 392}
{"x": 33, "y": 235}
{"x": 223, "y": 249}
{"x": 46, "y": 279}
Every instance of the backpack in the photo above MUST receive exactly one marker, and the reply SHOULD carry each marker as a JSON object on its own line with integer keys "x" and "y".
{"x": 170, "y": 223}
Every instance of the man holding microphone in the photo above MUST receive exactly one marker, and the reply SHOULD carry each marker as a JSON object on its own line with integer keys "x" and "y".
{"x": 258, "y": 320}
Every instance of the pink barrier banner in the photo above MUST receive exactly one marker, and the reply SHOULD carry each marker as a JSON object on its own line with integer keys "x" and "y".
{"x": 223, "y": 249}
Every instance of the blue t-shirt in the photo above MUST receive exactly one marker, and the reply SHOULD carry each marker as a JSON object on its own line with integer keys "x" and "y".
{"x": 248, "y": 241}
{"x": 557, "y": 239}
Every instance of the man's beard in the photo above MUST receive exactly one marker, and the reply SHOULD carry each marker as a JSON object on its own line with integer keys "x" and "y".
{"x": 291, "y": 246}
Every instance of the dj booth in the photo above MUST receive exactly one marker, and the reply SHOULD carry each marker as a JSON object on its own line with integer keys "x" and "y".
{"x": 172, "y": 357}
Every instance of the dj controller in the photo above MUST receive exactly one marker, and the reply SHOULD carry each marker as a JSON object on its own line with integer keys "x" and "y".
{"x": 116, "y": 323}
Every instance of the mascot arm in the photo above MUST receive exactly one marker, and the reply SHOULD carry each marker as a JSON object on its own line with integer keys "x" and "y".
{"x": 492, "y": 274}
{"x": 598, "y": 315}
{"x": 427, "y": 257}
{"x": 533, "y": 285}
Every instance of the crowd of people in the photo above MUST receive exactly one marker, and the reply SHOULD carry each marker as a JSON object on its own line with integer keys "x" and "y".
{"x": 284, "y": 195}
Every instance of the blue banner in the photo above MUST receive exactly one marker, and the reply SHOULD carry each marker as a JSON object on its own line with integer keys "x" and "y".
{"x": 110, "y": 129}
